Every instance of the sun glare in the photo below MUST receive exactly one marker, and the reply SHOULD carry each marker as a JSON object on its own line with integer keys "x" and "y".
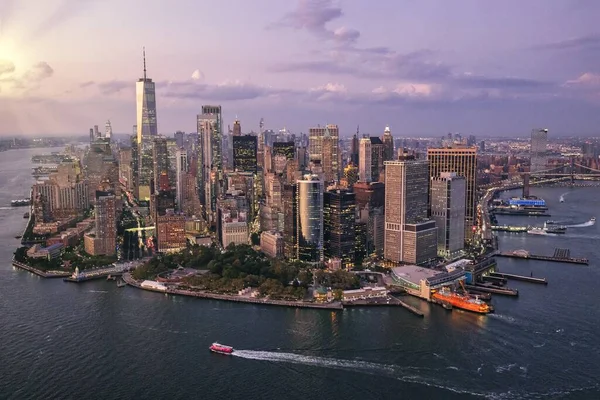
{"x": 10, "y": 52}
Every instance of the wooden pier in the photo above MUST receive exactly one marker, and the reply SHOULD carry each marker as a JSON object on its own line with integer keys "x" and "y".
{"x": 529, "y": 279}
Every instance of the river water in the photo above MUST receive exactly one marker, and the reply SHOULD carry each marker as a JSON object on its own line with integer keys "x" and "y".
{"x": 96, "y": 341}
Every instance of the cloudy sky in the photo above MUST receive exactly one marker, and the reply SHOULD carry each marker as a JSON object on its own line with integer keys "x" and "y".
{"x": 424, "y": 67}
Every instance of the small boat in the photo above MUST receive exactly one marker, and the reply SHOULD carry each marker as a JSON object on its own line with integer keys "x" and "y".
{"x": 593, "y": 219}
{"x": 110, "y": 278}
{"x": 26, "y": 215}
{"x": 551, "y": 222}
{"x": 221, "y": 348}
{"x": 18, "y": 237}
{"x": 121, "y": 284}
{"x": 557, "y": 229}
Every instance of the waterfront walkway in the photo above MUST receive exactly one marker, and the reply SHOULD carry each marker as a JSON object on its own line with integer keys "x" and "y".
{"x": 39, "y": 272}
{"x": 227, "y": 297}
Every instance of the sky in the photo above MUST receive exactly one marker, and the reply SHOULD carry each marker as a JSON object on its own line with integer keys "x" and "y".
{"x": 423, "y": 67}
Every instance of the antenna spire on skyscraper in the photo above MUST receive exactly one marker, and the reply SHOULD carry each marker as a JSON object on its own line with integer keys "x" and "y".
{"x": 144, "y": 52}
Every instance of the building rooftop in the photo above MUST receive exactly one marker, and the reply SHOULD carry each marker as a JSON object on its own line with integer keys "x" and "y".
{"x": 414, "y": 273}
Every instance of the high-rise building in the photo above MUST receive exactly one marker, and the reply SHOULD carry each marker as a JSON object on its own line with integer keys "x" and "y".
{"x": 286, "y": 149}
{"x": 245, "y": 153}
{"x": 388, "y": 145}
{"x": 323, "y": 147}
{"x": 461, "y": 160}
{"x": 146, "y": 130}
{"x": 104, "y": 240}
{"x": 448, "y": 210}
{"x": 170, "y": 234}
{"x": 108, "y": 130}
{"x": 160, "y": 159}
{"x": 309, "y": 198}
{"x": 370, "y": 201}
{"x": 290, "y": 220}
{"x": 370, "y": 160}
{"x": 409, "y": 236}
{"x": 237, "y": 128}
{"x": 209, "y": 125}
{"x": 364, "y": 160}
{"x": 539, "y": 151}
{"x": 182, "y": 171}
{"x": 354, "y": 149}
{"x": 339, "y": 214}
{"x": 179, "y": 139}
{"x": 101, "y": 167}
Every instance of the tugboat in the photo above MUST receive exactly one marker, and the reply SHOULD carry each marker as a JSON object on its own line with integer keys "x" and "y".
{"x": 221, "y": 348}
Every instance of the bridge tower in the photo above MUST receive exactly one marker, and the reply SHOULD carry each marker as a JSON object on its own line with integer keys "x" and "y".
{"x": 572, "y": 170}
{"x": 525, "y": 185}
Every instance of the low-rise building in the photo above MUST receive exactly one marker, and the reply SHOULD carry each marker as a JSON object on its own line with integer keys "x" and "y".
{"x": 271, "y": 243}
{"x": 364, "y": 293}
{"x": 49, "y": 252}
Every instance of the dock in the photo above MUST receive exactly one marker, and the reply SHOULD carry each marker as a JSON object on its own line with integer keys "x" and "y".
{"x": 494, "y": 290}
{"x": 529, "y": 279}
{"x": 408, "y": 307}
{"x": 560, "y": 255}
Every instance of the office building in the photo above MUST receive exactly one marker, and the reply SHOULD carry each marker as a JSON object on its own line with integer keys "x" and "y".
{"x": 388, "y": 145}
{"x": 448, "y": 210}
{"x": 170, "y": 229}
{"x": 245, "y": 153}
{"x": 181, "y": 176}
{"x": 237, "y": 128}
{"x": 370, "y": 202}
{"x": 409, "y": 236}
{"x": 324, "y": 151}
{"x": 539, "y": 151}
{"x": 461, "y": 160}
{"x": 210, "y": 174}
{"x": 290, "y": 220}
{"x": 309, "y": 197}
{"x": 271, "y": 243}
{"x": 160, "y": 159}
{"x": 147, "y": 129}
{"x": 339, "y": 214}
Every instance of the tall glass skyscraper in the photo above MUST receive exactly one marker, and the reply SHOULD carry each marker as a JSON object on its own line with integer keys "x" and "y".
{"x": 309, "y": 198}
{"x": 210, "y": 158}
{"x": 146, "y": 128}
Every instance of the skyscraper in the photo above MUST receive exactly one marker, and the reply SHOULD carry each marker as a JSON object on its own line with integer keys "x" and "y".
{"x": 245, "y": 153}
{"x": 237, "y": 128}
{"x": 309, "y": 199}
{"x": 354, "y": 149}
{"x": 388, "y": 144}
{"x": 364, "y": 160}
{"x": 182, "y": 170}
{"x": 104, "y": 241}
{"x": 146, "y": 130}
{"x": 323, "y": 147}
{"x": 160, "y": 159}
{"x": 448, "y": 210}
{"x": 463, "y": 161}
{"x": 209, "y": 125}
{"x": 370, "y": 160}
{"x": 409, "y": 235}
{"x": 108, "y": 130}
{"x": 339, "y": 213}
{"x": 539, "y": 142}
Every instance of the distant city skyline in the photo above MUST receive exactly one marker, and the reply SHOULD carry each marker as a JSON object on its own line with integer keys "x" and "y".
{"x": 423, "y": 68}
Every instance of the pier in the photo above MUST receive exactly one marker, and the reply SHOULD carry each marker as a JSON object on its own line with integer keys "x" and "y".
{"x": 494, "y": 290}
{"x": 529, "y": 279}
{"x": 88, "y": 275}
{"x": 527, "y": 213}
{"x": 560, "y": 255}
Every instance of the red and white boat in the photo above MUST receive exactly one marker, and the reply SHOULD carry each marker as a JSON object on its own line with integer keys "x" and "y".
{"x": 221, "y": 348}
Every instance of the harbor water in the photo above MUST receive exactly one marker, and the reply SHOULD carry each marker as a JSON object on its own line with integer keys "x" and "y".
{"x": 97, "y": 341}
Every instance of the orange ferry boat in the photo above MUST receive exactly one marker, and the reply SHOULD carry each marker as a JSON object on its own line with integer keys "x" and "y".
{"x": 464, "y": 302}
{"x": 221, "y": 348}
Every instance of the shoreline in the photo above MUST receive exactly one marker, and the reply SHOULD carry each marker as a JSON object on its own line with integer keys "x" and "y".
{"x": 39, "y": 272}
{"x": 233, "y": 298}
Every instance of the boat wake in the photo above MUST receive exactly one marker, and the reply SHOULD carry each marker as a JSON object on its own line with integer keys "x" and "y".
{"x": 562, "y": 197}
{"x": 591, "y": 222}
{"x": 334, "y": 363}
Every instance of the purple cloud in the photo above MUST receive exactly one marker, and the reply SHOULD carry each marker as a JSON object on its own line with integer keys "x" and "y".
{"x": 114, "y": 86}
{"x": 579, "y": 43}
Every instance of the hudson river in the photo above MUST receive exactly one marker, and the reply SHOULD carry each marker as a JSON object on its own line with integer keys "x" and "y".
{"x": 96, "y": 341}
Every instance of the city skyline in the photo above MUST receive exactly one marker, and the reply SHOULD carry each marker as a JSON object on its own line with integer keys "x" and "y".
{"x": 432, "y": 68}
